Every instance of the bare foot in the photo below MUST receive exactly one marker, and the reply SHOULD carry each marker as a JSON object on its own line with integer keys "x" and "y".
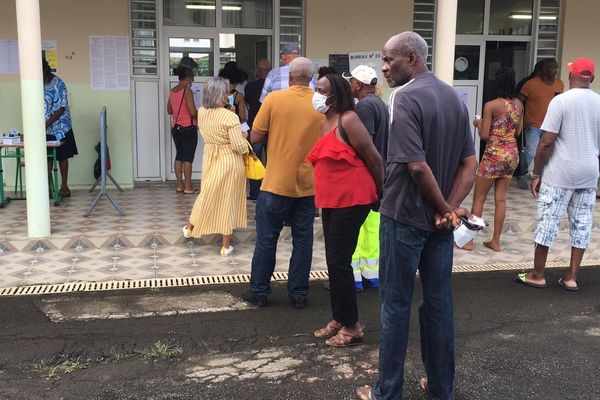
{"x": 492, "y": 246}
{"x": 468, "y": 247}
{"x": 532, "y": 278}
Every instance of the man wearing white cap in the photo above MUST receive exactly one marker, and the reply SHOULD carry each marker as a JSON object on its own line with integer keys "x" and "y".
{"x": 279, "y": 78}
{"x": 374, "y": 114}
{"x": 566, "y": 164}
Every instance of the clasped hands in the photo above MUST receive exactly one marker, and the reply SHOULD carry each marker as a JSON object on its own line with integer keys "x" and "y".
{"x": 451, "y": 220}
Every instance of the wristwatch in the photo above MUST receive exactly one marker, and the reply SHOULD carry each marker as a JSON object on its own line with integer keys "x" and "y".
{"x": 534, "y": 176}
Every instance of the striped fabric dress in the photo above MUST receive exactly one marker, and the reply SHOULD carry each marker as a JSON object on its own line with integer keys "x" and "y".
{"x": 221, "y": 204}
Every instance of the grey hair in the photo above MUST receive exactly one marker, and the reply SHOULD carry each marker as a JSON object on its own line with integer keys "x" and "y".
{"x": 301, "y": 67}
{"x": 412, "y": 42}
{"x": 214, "y": 91}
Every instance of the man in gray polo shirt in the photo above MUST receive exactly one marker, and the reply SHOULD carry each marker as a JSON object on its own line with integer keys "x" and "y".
{"x": 430, "y": 169}
{"x": 567, "y": 155}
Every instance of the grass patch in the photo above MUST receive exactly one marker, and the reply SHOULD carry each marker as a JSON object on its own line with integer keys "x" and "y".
{"x": 114, "y": 357}
{"x": 163, "y": 349}
{"x": 51, "y": 368}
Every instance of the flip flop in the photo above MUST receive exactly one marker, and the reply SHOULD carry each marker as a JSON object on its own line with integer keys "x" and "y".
{"x": 522, "y": 279}
{"x": 365, "y": 393}
{"x": 562, "y": 283}
{"x": 178, "y": 190}
{"x": 195, "y": 191}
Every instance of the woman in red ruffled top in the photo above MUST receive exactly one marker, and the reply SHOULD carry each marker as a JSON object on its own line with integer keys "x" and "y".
{"x": 348, "y": 181}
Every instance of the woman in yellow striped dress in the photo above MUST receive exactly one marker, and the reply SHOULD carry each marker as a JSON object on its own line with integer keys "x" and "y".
{"x": 221, "y": 205}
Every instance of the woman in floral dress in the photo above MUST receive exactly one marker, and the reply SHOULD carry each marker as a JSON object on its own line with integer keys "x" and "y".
{"x": 501, "y": 125}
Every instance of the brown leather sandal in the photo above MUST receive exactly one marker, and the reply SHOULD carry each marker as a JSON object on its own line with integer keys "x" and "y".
{"x": 330, "y": 330}
{"x": 344, "y": 339}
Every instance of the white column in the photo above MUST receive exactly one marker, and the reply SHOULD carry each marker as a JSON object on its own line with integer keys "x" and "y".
{"x": 34, "y": 124}
{"x": 445, "y": 40}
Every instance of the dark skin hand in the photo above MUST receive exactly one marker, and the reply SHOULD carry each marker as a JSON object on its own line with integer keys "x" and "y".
{"x": 447, "y": 211}
{"x": 542, "y": 156}
{"x": 54, "y": 117}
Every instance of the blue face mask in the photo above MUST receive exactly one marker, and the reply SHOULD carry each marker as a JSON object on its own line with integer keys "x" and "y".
{"x": 230, "y": 99}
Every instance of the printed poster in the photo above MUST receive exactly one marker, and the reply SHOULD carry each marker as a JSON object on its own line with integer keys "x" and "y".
{"x": 369, "y": 58}
{"x": 9, "y": 55}
{"x": 109, "y": 62}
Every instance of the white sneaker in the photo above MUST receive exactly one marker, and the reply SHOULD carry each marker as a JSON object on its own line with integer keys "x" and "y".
{"x": 187, "y": 232}
{"x": 226, "y": 252}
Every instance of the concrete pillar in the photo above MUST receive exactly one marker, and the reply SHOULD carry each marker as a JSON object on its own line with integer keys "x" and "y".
{"x": 34, "y": 124}
{"x": 445, "y": 40}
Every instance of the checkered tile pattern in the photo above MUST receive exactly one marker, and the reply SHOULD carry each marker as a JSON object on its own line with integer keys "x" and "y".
{"x": 147, "y": 242}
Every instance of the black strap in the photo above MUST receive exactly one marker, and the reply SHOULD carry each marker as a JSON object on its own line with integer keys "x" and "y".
{"x": 343, "y": 131}
{"x": 180, "y": 103}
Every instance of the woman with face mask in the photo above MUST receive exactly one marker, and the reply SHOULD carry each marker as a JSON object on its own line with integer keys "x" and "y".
{"x": 348, "y": 181}
{"x": 184, "y": 130}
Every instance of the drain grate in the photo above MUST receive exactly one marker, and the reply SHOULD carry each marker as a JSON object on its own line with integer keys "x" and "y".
{"x": 29, "y": 290}
{"x": 58, "y": 288}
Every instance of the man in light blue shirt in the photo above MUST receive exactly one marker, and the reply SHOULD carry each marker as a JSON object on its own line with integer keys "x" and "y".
{"x": 279, "y": 78}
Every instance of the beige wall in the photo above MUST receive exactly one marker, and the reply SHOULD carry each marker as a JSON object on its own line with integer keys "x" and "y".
{"x": 70, "y": 23}
{"x": 333, "y": 26}
{"x": 580, "y": 35}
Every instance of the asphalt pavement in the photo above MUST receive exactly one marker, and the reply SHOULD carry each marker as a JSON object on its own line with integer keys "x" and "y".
{"x": 512, "y": 342}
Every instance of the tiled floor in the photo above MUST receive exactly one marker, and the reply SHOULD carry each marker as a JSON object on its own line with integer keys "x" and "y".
{"x": 147, "y": 242}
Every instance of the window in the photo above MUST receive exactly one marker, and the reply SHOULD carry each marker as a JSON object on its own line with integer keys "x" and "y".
{"x": 248, "y": 14}
{"x": 469, "y": 19}
{"x": 291, "y": 17}
{"x": 201, "y": 50}
{"x": 189, "y": 12}
{"x": 511, "y": 17}
{"x": 424, "y": 24}
{"x": 548, "y": 29}
{"x": 143, "y": 37}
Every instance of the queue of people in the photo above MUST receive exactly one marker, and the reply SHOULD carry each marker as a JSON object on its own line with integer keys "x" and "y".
{"x": 390, "y": 183}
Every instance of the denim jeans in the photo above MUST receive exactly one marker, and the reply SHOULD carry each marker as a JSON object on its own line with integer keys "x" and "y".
{"x": 532, "y": 139}
{"x": 403, "y": 250}
{"x": 253, "y": 183}
{"x": 271, "y": 212}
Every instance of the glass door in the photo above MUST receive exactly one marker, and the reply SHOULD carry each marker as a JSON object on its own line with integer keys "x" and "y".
{"x": 183, "y": 42}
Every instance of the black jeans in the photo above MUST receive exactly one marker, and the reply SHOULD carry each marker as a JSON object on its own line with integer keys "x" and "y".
{"x": 341, "y": 227}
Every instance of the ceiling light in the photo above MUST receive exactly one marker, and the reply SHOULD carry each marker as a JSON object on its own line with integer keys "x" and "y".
{"x": 199, "y": 7}
{"x": 211, "y": 7}
{"x": 528, "y": 16}
{"x": 520, "y": 16}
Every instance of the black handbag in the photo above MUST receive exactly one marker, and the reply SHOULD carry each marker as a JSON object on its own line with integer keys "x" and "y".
{"x": 522, "y": 168}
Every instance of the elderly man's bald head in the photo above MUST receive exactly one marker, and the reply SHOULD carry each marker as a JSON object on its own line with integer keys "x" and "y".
{"x": 301, "y": 71}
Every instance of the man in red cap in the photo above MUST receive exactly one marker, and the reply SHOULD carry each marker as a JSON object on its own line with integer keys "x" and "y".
{"x": 566, "y": 163}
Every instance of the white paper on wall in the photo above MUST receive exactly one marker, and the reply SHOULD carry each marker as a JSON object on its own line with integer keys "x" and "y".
{"x": 9, "y": 55}
{"x": 109, "y": 62}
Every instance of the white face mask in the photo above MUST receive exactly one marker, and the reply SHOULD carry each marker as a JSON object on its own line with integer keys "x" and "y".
{"x": 318, "y": 102}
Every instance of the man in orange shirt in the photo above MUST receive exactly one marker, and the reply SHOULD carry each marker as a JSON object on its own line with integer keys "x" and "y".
{"x": 291, "y": 124}
{"x": 536, "y": 94}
